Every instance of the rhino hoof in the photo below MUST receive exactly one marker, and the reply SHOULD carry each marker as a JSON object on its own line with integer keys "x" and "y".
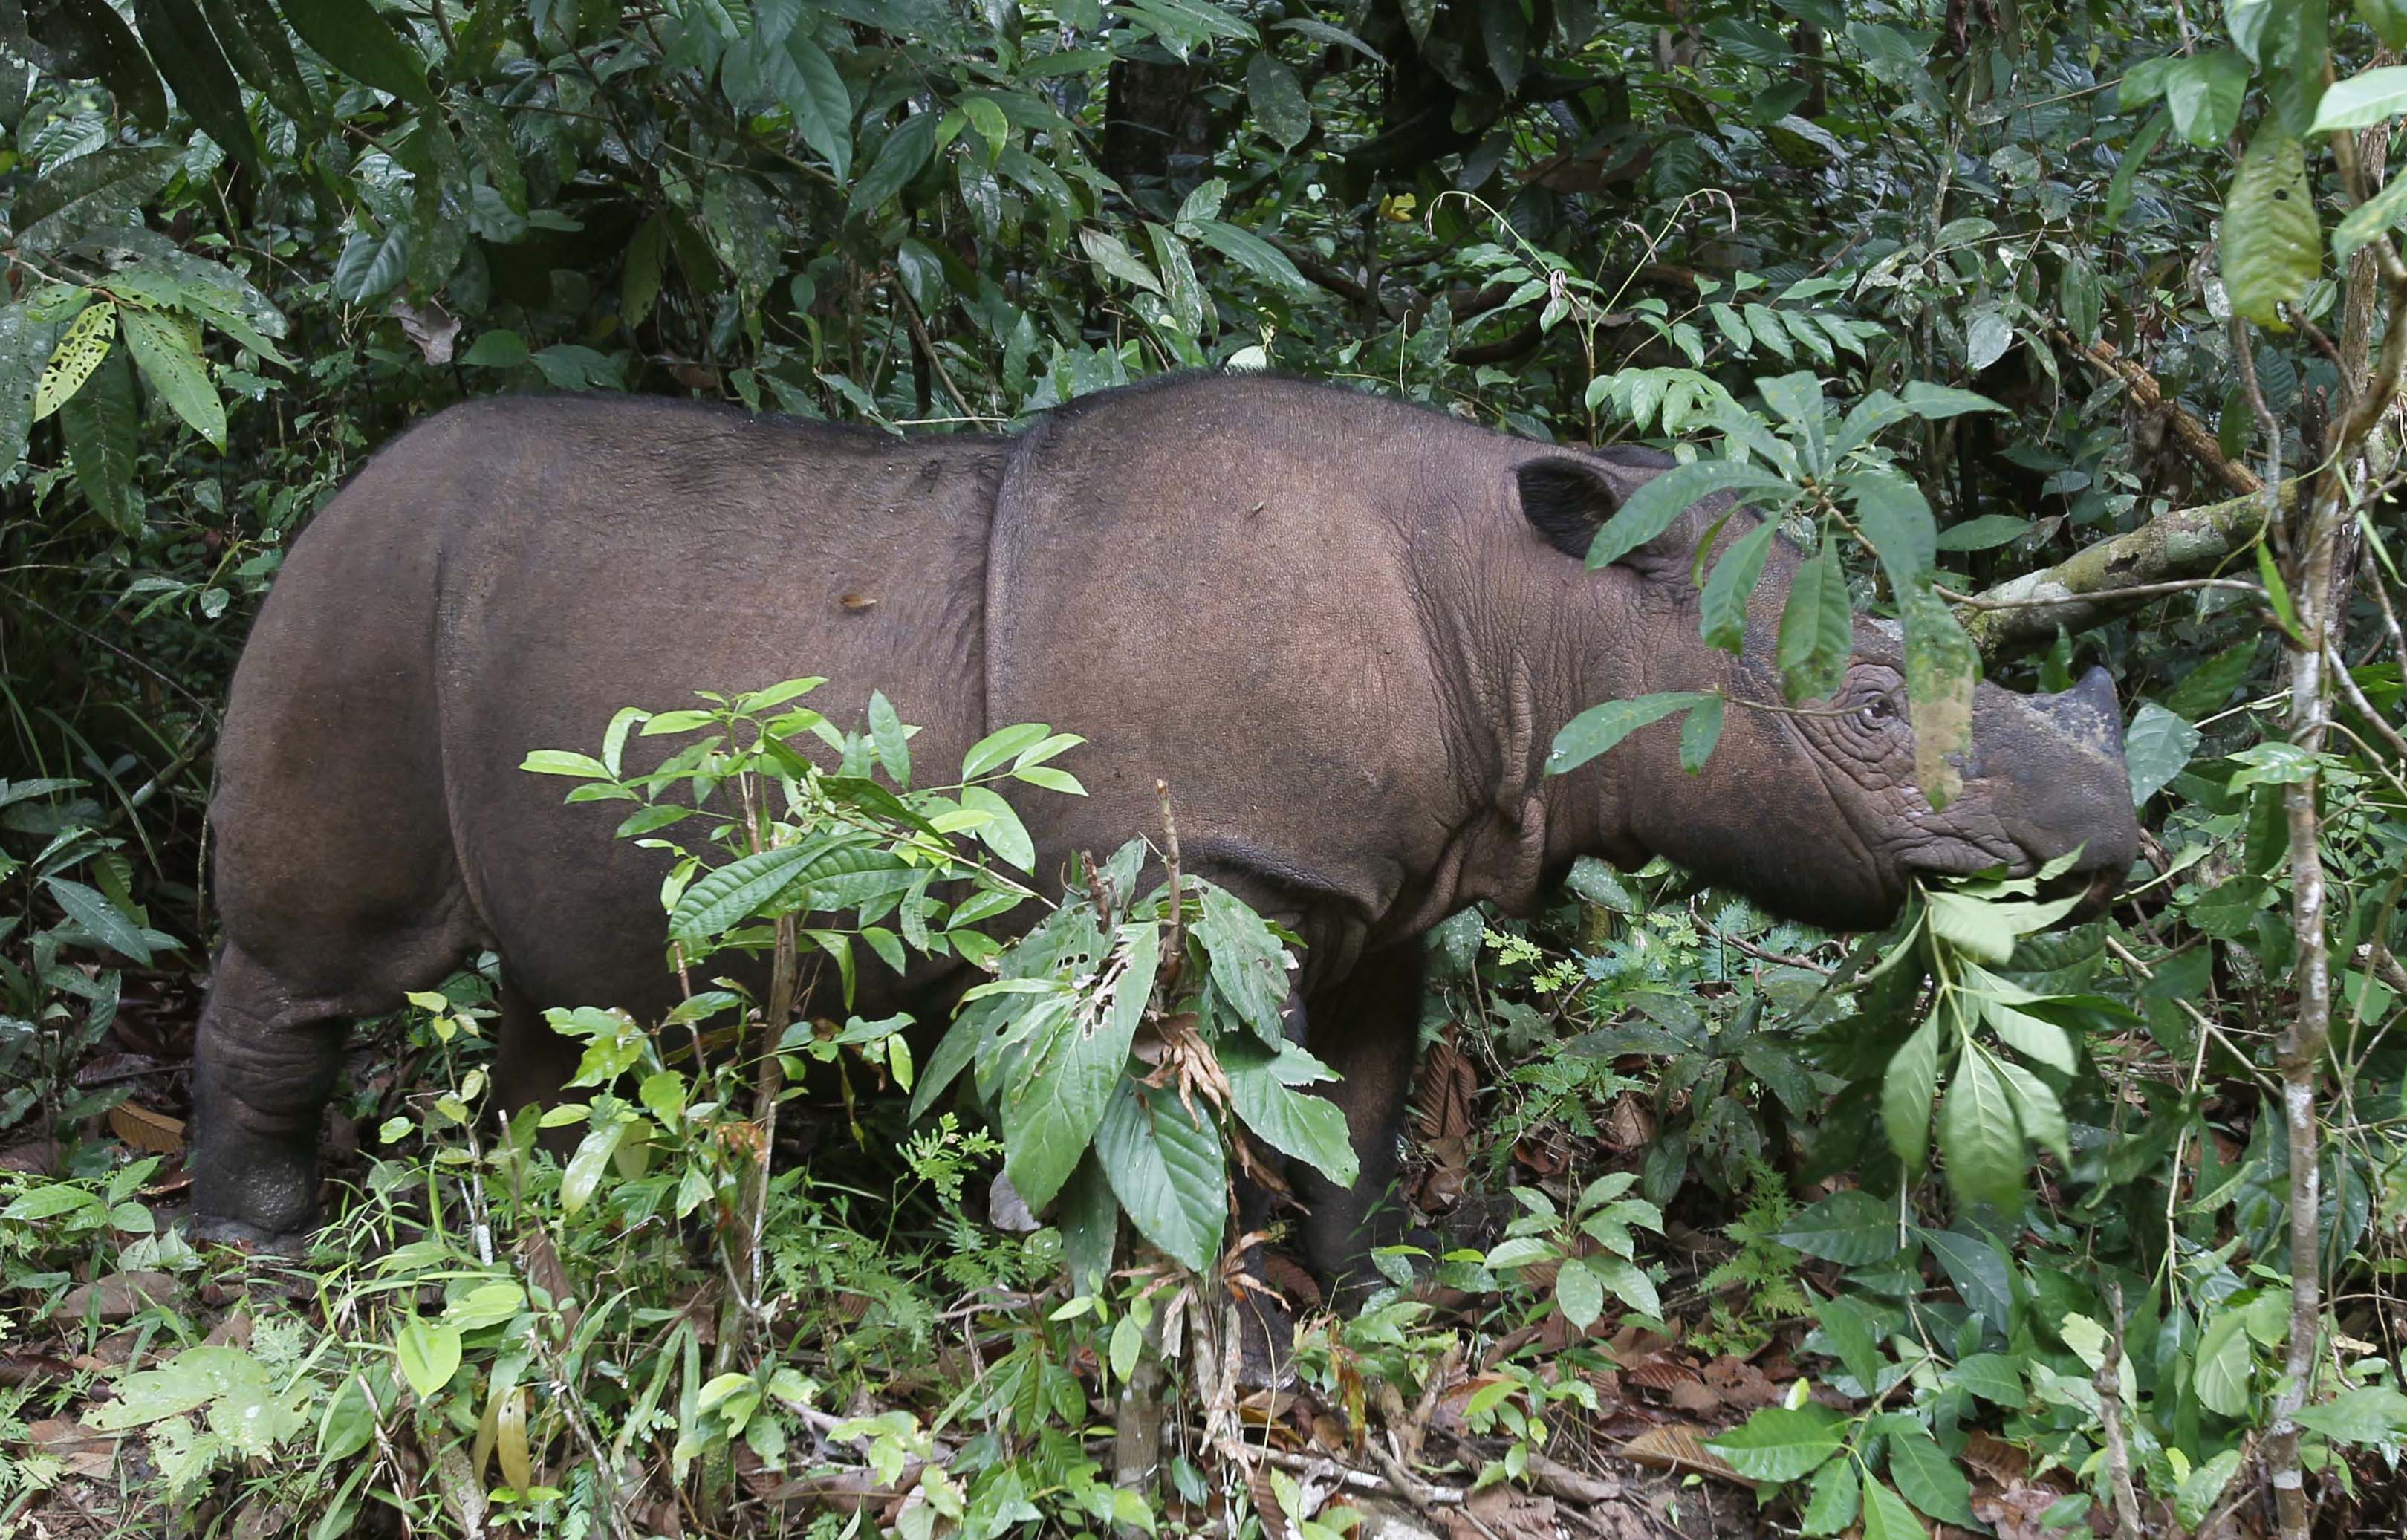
{"x": 224, "y": 1230}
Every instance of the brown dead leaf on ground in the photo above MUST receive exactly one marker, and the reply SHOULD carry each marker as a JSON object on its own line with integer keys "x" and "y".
{"x": 1630, "y": 1123}
{"x": 1741, "y": 1384}
{"x": 81, "y": 1450}
{"x": 1442, "y": 1119}
{"x": 1677, "y": 1447}
{"x": 118, "y": 1297}
{"x": 1994, "y": 1457}
{"x": 1503, "y": 1513}
{"x": 2015, "y": 1513}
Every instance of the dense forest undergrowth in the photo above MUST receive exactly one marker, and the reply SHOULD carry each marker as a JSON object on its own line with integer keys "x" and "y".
{"x": 2066, "y": 334}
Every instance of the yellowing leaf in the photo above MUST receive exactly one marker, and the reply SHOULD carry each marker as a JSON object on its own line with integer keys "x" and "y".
{"x": 77, "y": 354}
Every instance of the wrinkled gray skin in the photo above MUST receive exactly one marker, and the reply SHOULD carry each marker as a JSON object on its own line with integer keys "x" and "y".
{"x": 1344, "y": 631}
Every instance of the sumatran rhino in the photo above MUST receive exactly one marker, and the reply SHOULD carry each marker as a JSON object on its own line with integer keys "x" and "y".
{"x": 1344, "y": 630}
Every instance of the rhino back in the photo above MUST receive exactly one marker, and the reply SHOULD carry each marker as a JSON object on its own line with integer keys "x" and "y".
{"x": 1216, "y": 581}
{"x": 570, "y": 556}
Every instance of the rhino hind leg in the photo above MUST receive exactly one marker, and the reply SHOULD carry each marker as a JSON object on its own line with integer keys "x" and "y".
{"x": 262, "y": 1069}
{"x": 1366, "y": 1027}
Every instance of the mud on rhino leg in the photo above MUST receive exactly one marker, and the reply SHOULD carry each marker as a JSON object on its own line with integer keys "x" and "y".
{"x": 1367, "y": 1028}
{"x": 264, "y": 1067}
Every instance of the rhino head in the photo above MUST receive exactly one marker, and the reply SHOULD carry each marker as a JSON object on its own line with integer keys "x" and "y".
{"x": 1815, "y": 813}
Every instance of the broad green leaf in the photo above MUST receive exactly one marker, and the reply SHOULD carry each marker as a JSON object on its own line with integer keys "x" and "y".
{"x": 2127, "y": 170}
{"x": 1834, "y": 1499}
{"x": 2202, "y": 92}
{"x": 1907, "y": 1087}
{"x": 2363, "y": 100}
{"x": 1781, "y": 1443}
{"x": 1578, "y": 1294}
{"x": 1066, "y": 1074}
{"x": 187, "y": 53}
{"x": 1652, "y": 508}
{"x": 2040, "y": 1042}
{"x": 1699, "y": 731}
{"x": 255, "y": 45}
{"x": 350, "y": 36}
{"x": 1887, "y": 1518}
{"x": 1000, "y": 746}
{"x": 1929, "y": 1478}
{"x": 1600, "y": 727}
{"x": 102, "y": 426}
{"x": 1980, "y": 1136}
{"x": 1249, "y": 251}
{"x": 886, "y": 733}
{"x": 1941, "y": 669}
{"x": 81, "y": 350}
{"x": 1992, "y": 1376}
{"x": 2219, "y": 1373}
{"x": 1933, "y": 402}
{"x": 1979, "y": 1272}
{"x": 38, "y": 1204}
{"x": 1847, "y": 1332}
{"x": 2366, "y": 1415}
{"x": 25, "y": 347}
{"x": 90, "y": 193}
{"x": 1277, "y": 99}
{"x": 1849, "y": 1227}
{"x": 2159, "y": 744}
{"x": 101, "y": 917}
{"x": 900, "y": 160}
{"x": 731, "y": 894}
{"x": 1894, "y": 517}
{"x": 1168, "y": 1172}
{"x": 170, "y": 357}
{"x": 1973, "y": 925}
{"x": 2201, "y": 1490}
{"x": 428, "y": 1351}
{"x": 2272, "y": 245}
{"x": 822, "y": 109}
{"x": 2387, "y": 18}
{"x": 1817, "y": 630}
{"x": 1629, "y": 1283}
{"x": 1088, "y": 1218}
{"x": 1724, "y": 602}
{"x": 1247, "y": 963}
{"x": 589, "y": 1162}
{"x": 1262, "y": 1094}
{"x": 2376, "y": 216}
{"x": 1986, "y": 532}
{"x": 1002, "y": 832}
{"x": 1117, "y": 260}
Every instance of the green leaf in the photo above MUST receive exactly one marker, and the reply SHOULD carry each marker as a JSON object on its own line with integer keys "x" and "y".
{"x": 1933, "y": 402}
{"x": 1700, "y": 732}
{"x": 2389, "y": 21}
{"x": 1847, "y": 1330}
{"x": 2376, "y": 216}
{"x": 496, "y": 349}
{"x": 351, "y": 37}
{"x": 1887, "y": 1518}
{"x": 2202, "y": 92}
{"x": 107, "y": 924}
{"x": 1724, "y": 602}
{"x": 1600, "y": 727}
{"x": 2036, "y": 1108}
{"x": 1907, "y": 1087}
{"x": 1986, "y": 532}
{"x": 2159, "y": 743}
{"x": 187, "y": 54}
{"x": 900, "y": 159}
{"x": 2127, "y": 170}
{"x": 1117, "y": 260}
{"x": 823, "y": 110}
{"x": 428, "y": 1354}
{"x": 1979, "y": 1272}
{"x": 90, "y": 193}
{"x": 1835, "y": 1499}
{"x": 170, "y": 357}
{"x": 2220, "y": 1372}
{"x": 1261, "y": 1093}
{"x": 1929, "y": 1479}
{"x": 1656, "y": 505}
{"x": 1167, "y": 1171}
{"x": 81, "y": 347}
{"x": 1980, "y": 1136}
{"x": 2042, "y": 1041}
{"x": 1849, "y": 1227}
{"x": 886, "y": 733}
{"x": 564, "y": 762}
{"x": 1000, "y": 746}
{"x": 2366, "y": 1415}
{"x": 25, "y": 347}
{"x": 1781, "y": 1443}
{"x": 1002, "y": 834}
{"x": 722, "y": 899}
{"x": 1089, "y": 1222}
{"x": 1973, "y": 925}
{"x": 102, "y": 426}
{"x": 1628, "y": 1283}
{"x": 1891, "y": 512}
{"x": 2273, "y": 246}
{"x": 1992, "y": 1376}
{"x": 2363, "y": 100}
{"x": 1578, "y": 1294}
{"x": 1277, "y": 99}
{"x": 1066, "y": 1074}
{"x": 1817, "y": 630}
{"x": 1941, "y": 669}
{"x": 1247, "y": 963}
{"x": 1249, "y": 251}
{"x": 255, "y": 45}
{"x": 100, "y": 43}
{"x": 2201, "y": 1490}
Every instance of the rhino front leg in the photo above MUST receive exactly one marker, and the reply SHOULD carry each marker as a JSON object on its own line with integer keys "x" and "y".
{"x": 1367, "y": 1028}
{"x": 264, "y": 1065}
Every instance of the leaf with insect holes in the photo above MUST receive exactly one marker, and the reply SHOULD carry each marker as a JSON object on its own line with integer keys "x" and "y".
{"x": 2272, "y": 245}
{"x": 79, "y": 351}
{"x": 1068, "y": 1069}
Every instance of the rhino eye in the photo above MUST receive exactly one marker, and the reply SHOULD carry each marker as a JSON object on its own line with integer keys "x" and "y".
{"x": 1877, "y": 709}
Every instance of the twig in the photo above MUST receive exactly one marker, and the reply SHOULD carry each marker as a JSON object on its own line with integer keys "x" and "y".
{"x": 1173, "y": 945}
{"x": 2192, "y": 435}
{"x": 2364, "y": 707}
{"x": 928, "y": 350}
{"x": 2136, "y": 590}
{"x": 2118, "y": 1452}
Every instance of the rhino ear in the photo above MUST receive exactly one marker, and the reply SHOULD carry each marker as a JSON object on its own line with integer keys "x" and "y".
{"x": 1566, "y": 501}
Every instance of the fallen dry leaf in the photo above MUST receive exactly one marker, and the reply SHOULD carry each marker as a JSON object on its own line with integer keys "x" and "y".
{"x": 1677, "y": 1447}
{"x": 1503, "y": 1513}
{"x": 1741, "y": 1384}
{"x": 81, "y": 1451}
{"x": 153, "y": 1133}
{"x": 117, "y": 1297}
